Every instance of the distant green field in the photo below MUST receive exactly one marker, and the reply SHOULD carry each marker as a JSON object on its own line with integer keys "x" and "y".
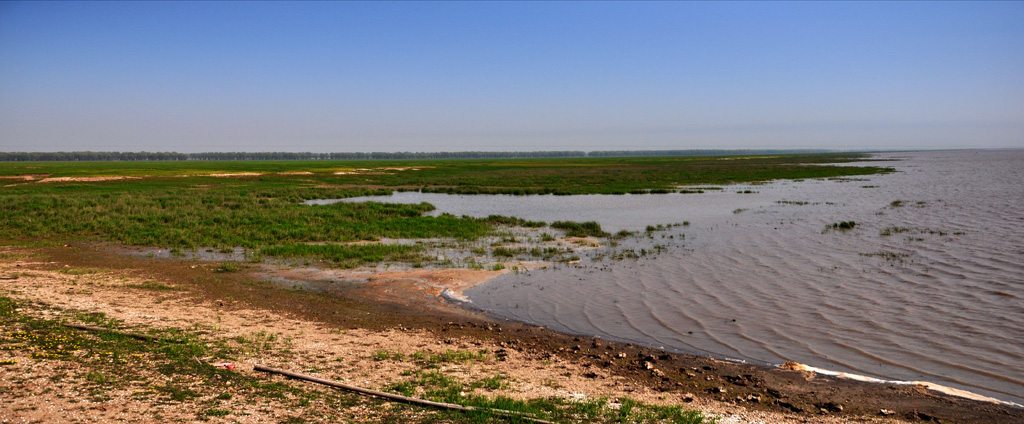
{"x": 186, "y": 205}
{"x": 510, "y": 176}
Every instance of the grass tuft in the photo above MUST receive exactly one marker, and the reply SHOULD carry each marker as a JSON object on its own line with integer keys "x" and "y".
{"x": 580, "y": 229}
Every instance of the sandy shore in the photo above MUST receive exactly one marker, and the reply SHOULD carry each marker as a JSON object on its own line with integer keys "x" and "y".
{"x": 338, "y": 332}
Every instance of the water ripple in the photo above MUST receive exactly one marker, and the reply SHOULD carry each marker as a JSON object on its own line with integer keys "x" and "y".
{"x": 942, "y": 299}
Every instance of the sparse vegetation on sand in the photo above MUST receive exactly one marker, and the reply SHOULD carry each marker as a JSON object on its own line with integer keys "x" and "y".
{"x": 167, "y": 370}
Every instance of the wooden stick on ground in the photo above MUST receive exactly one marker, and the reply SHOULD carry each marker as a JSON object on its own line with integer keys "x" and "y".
{"x": 94, "y": 328}
{"x": 397, "y": 398}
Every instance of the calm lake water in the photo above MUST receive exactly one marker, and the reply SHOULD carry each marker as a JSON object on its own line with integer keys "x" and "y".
{"x": 939, "y": 299}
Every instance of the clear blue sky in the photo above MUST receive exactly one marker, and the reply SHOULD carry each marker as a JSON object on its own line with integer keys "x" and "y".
{"x": 414, "y": 76}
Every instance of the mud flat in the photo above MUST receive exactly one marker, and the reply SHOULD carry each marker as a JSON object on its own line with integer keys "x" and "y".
{"x": 369, "y": 333}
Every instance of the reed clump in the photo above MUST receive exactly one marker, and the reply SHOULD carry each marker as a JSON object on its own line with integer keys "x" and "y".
{"x": 580, "y": 229}
{"x": 841, "y": 226}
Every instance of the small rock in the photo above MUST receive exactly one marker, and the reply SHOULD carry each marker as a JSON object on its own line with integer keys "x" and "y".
{"x": 754, "y": 398}
{"x": 792, "y": 366}
{"x": 688, "y": 397}
{"x": 832, "y": 407}
{"x": 886, "y": 412}
{"x": 648, "y": 365}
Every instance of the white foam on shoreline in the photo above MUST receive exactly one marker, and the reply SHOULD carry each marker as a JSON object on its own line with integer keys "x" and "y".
{"x": 926, "y": 384}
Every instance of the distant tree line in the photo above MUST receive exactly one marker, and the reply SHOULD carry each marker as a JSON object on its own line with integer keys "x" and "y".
{"x": 699, "y": 152}
{"x": 174, "y": 156}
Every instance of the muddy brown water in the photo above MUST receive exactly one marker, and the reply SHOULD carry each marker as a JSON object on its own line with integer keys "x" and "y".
{"x": 929, "y": 288}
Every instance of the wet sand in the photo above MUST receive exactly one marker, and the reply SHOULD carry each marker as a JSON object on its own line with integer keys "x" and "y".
{"x": 402, "y": 311}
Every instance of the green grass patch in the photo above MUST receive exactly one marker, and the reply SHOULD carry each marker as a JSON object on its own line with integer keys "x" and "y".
{"x": 384, "y": 355}
{"x": 350, "y": 255}
{"x": 214, "y": 412}
{"x": 251, "y": 215}
{"x": 506, "y": 252}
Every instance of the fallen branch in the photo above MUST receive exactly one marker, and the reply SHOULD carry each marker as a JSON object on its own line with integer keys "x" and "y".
{"x": 135, "y": 335}
{"x": 398, "y": 398}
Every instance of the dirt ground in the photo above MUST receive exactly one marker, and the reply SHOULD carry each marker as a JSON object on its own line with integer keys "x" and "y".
{"x": 352, "y": 329}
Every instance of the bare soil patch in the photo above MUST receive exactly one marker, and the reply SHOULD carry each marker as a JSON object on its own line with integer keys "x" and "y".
{"x": 85, "y": 179}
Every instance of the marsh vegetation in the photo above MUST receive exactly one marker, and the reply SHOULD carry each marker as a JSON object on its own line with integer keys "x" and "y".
{"x": 257, "y": 205}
